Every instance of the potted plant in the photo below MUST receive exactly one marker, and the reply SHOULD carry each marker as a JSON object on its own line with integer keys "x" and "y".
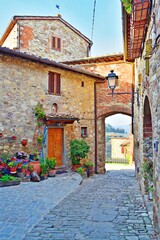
{"x": 30, "y": 168}
{"x": 7, "y": 180}
{"x": 24, "y": 168}
{"x": 127, "y": 5}
{"x": 80, "y": 170}
{"x": 13, "y": 167}
{"x": 78, "y": 150}
{"x": 51, "y": 162}
{"x": 44, "y": 169}
{"x": 89, "y": 168}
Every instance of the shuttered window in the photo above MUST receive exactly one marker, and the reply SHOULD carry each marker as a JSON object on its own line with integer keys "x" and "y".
{"x": 56, "y": 43}
{"x": 54, "y": 83}
{"x": 84, "y": 132}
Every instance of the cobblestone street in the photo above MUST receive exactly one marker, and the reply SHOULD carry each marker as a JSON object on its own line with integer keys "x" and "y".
{"x": 103, "y": 207}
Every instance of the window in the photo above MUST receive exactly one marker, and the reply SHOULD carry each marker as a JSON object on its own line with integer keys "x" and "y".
{"x": 84, "y": 132}
{"x": 122, "y": 150}
{"x": 82, "y": 84}
{"x": 54, "y": 83}
{"x": 56, "y": 43}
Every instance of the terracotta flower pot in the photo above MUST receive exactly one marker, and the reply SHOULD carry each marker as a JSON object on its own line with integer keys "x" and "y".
{"x": 24, "y": 142}
{"x": 1, "y": 135}
{"x": 51, "y": 173}
{"x": 36, "y": 166}
{"x": 74, "y": 167}
{"x": 13, "y": 170}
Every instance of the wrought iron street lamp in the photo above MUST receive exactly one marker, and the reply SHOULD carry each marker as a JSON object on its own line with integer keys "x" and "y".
{"x": 112, "y": 83}
{"x": 112, "y": 80}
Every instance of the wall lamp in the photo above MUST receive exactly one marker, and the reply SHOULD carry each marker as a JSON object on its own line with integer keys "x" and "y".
{"x": 112, "y": 82}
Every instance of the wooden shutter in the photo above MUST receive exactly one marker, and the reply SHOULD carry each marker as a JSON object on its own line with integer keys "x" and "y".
{"x": 54, "y": 83}
{"x": 58, "y": 84}
{"x": 58, "y": 43}
{"x": 53, "y": 42}
{"x": 51, "y": 83}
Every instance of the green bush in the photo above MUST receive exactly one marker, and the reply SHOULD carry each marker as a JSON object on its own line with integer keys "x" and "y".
{"x": 51, "y": 162}
{"x": 78, "y": 150}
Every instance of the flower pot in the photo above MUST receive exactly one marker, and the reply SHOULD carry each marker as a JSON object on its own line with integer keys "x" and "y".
{"x": 13, "y": 170}
{"x": 36, "y": 166}
{"x": 28, "y": 173}
{"x": 74, "y": 167}
{"x": 23, "y": 170}
{"x": 52, "y": 173}
{"x": 1, "y": 135}
{"x": 19, "y": 166}
{"x": 13, "y": 159}
{"x": 45, "y": 175}
{"x": 24, "y": 142}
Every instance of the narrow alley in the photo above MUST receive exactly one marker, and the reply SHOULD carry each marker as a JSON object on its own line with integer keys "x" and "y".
{"x": 103, "y": 207}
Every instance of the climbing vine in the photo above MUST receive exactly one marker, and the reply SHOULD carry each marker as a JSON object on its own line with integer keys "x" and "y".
{"x": 127, "y": 5}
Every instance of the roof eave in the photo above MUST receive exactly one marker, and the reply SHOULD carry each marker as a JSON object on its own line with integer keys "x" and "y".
{"x": 7, "y": 31}
{"x": 34, "y": 58}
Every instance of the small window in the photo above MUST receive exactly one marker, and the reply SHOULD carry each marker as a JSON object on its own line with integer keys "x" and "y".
{"x": 82, "y": 84}
{"x": 54, "y": 83}
{"x": 55, "y": 107}
{"x": 84, "y": 132}
{"x": 56, "y": 43}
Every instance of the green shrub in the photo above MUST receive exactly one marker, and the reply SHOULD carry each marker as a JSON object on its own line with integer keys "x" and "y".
{"x": 78, "y": 150}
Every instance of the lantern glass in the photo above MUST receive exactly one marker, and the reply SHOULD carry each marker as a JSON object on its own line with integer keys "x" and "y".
{"x": 112, "y": 82}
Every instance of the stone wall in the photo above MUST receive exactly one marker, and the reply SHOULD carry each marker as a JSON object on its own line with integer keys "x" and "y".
{"x": 150, "y": 89}
{"x": 36, "y": 36}
{"x": 23, "y": 84}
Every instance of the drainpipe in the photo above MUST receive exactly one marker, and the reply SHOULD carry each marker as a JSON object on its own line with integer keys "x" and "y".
{"x": 95, "y": 125}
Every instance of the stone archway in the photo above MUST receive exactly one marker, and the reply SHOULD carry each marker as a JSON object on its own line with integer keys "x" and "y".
{"x": 147, "y": 135}
{"x": 111, "y": 110}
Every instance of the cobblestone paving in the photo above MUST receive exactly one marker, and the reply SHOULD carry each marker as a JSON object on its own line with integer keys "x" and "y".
{"x": 24, "y": 205}
{"x": 103, "y": 207}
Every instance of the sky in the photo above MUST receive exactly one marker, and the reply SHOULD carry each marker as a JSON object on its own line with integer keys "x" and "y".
{"x": 107, "y": 37}
{"x": 119, "y": 120}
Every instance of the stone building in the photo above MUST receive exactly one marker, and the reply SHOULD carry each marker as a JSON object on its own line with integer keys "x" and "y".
{"x": 142, "y": 39}
{"x": 46, "y": 36}
{"x": 69, "y": 105}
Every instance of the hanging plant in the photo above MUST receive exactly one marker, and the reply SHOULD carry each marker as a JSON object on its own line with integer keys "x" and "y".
{"x": 39, "y": 111}
{"x": 127, "y": 5}
{"x": 40, "y": 139}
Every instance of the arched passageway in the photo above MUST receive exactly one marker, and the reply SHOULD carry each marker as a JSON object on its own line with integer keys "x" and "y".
{"x": 118, "y": 139}
{"x": 147, "y": 161}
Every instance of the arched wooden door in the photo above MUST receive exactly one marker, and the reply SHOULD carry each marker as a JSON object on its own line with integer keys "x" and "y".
{"x": 55, "y": 144}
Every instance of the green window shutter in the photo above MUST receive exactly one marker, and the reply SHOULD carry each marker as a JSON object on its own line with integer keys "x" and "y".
{"x": 148, "y": 54}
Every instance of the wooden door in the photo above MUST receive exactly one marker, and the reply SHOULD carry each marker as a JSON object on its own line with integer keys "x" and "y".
{"x": 55, "y": 144}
